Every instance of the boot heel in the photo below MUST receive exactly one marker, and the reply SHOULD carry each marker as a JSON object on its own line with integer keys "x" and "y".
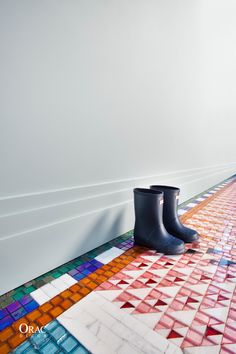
{"x": 141, "y": 244}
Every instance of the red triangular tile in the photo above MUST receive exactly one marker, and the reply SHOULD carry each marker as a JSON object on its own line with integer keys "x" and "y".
{"x": 174, "y": 334}
{"x": 150, "y": 281}
{"x": 230, "y": 276}
{"x": 190, "y": 299}
{"x": 211, "y": 332}
{"x": 178, "y": 279}
{"x": 122, "y": 282}
{"x": 221, "y": 297}
{"x": 127, "y": 305}
{"x": 142, "y": 265}
{"x": 160, "y": 303}
{"x": 204, "y": 277}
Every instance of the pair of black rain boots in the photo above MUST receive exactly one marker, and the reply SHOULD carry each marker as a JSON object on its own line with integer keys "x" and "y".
{"x": 157, "y": 224}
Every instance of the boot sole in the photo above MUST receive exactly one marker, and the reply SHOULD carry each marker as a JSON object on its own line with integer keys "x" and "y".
{"x": 181, "y": 251}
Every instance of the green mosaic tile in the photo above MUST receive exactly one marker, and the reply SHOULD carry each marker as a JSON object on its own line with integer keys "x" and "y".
{"x": 29, "y": 289}
{"x": 18, "y": 295}
{"x": 56, "y": 274}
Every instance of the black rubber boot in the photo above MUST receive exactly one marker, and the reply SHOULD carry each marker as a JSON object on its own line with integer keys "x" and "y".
{"x": 149, "y": 230}
{"x": 170, "y": 215}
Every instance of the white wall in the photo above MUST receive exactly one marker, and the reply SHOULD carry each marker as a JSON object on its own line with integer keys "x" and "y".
{"x": 98, "y": 96}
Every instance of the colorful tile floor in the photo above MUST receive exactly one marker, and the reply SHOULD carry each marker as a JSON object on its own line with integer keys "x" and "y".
{"x": 125, "y": 299}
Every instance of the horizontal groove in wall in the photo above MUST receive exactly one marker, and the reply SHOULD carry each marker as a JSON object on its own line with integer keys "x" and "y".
{"x": 59, "y": 243}
{"x": 183, "y": 179}
{"x": 14, "y": 225}
{"x": 30, "y": 202}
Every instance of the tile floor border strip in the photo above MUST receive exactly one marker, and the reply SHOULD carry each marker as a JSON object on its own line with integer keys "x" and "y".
{"x": 60, "y": 303}
{"x": 203, "y": 203}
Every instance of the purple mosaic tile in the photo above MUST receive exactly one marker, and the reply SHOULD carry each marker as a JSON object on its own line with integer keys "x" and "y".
{"x": 13, "y": 306}
{"x": 25, "y": 299}
{"x": 73, "y": 272}
{"x": 96, "y": 263}
{"x": 3, "y": 313}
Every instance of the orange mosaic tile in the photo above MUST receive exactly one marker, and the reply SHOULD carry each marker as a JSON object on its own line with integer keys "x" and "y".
{"x": 6, "y": 333}
{"x": 56, "y": 311}
{"x": 76, "y": 297}
{"x": 65, "y": 294}
{"x": 4, "y": 348}
{"x": 19, "y": 322}
{"x": 46, "y": 307}
{"x": 32, "y": 316}
{"x": 84, "y": 291}
{"x": 75, "y": 288}
{"x": 16, "y": 340}
{"x": 91, "y": 285}
{"x": 66, "y": 304}
{"x": 43, "y": 320}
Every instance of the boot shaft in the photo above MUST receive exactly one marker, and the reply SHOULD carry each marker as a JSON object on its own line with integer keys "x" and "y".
{"x": 148, "y": 207}
{"x": 171, "y": 197}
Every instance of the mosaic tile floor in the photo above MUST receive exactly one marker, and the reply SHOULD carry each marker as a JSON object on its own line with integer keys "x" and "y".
{"x": 125, "y": 299}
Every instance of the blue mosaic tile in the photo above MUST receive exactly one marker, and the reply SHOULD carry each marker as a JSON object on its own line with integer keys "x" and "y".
{"x": 5, "y": 322}
{"x": 31, "y": 306}
{"x": 49, "y": 348}
{"x": 55, "y": 339}
{"x": 69, "y": 344}
{"x": 39, "y": 339}
{"x": 3, "y": 313}
{"x": 58, "y": 332}
{"x": 51, "y": 326}
{"x": 78, "y": 276}
{"x": 23, "y": 347}
{"x": 80, "y": 350}
{"x": 18, "y": 313}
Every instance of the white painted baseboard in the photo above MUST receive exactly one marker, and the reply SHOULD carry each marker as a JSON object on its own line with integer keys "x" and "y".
{"x": 40, "y": 231}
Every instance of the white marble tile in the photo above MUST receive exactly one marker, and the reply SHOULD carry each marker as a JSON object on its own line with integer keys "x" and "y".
{"x": 191, "y": 205}
{"x": 173, "y": 350}
{"x": 50, "y": 290}
{"x": 109, "y": 337}
{"x": 210, "y": 349}
{"x": 101, "y": 348}
{"x": 39, "y": 296}
{"x": 181, "y": 211}
{"x": 79, "y": 331}
{"x": 100, "y": 327}
{"x": 200, "y": 199}
{"x": 109, "y": 255}
{"x": 149, "y": 319}
{"x": 128, "y": 349}
{"x": 185, "y": 317}
{"x": 59, "y": 284}
{"x": 68, "y": 279}
{"x": 110, "y": 294}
